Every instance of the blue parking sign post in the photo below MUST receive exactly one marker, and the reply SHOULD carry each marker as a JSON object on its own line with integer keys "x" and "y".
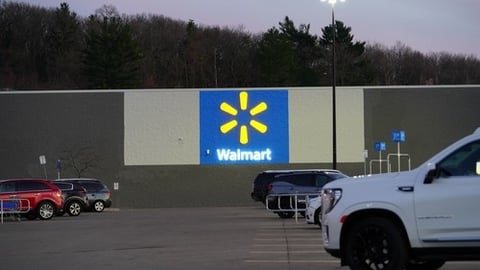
{"x": 398, "y": 136}
{"x": 380, "y": 147}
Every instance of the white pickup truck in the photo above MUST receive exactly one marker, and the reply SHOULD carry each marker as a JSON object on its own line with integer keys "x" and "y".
{"x": 417, "y": 219}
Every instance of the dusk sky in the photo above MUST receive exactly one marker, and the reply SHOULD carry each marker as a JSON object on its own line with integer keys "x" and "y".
{"x": 451, "y": 26}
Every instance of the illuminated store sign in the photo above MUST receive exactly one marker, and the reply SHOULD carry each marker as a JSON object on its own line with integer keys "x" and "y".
{"x": 244, "y": 127}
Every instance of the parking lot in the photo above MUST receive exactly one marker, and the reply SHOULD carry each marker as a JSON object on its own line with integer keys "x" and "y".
{"x": 169, "y": 238}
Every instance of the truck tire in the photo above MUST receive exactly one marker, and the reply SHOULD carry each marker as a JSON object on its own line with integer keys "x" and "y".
{"x": 375, "y": 243}
{"x": 317, "y": 219}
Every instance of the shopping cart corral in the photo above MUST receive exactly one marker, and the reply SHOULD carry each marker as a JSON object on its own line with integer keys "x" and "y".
{"x": 13, "y": 208}
{"x": 288, "y": 205}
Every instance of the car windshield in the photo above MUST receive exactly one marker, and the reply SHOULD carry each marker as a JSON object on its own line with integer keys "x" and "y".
{"x": 336, "y": 175}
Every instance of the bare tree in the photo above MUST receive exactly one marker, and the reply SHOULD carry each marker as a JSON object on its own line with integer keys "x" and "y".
{"x": 79, "y": 160}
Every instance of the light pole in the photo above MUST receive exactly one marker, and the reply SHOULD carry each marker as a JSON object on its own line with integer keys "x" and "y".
{"x": 334, "y": 82}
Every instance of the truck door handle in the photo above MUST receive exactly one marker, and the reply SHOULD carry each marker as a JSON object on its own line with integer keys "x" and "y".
{"x": 405, "y": 189}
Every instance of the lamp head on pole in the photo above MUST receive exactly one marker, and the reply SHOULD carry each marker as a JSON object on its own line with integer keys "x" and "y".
{"x": 332, "y": 2}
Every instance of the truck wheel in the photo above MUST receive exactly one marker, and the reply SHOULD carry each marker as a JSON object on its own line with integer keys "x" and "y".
{"x": 375, "y": 243}
{"x": 317, "y": 217}
{"x": 424, "y": 265}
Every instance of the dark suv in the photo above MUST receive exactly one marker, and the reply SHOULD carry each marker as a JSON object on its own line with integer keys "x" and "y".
{"x": 263, "y": 179}
{"x": 74, "y": 198}
{"x": 32, "y": 197}
{"x": 98, "y": 194}
{"x": 299, "y": 185}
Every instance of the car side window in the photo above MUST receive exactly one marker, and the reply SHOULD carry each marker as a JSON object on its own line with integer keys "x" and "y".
{"x": 7, "y": 187}
{"x": 462, "y": 162}
{"x": 90, "y": 187}
{"x": 30, "y": 186}
{"x": 64, "y": 186}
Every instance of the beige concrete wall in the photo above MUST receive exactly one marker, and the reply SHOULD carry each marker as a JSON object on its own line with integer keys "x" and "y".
{"x": 161, "y": 127}
{"x": 310, "y": 111}
{"x": 350, "y": 124}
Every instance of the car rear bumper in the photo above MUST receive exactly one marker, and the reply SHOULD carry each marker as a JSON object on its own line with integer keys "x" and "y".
{"x": 108, "y": 203}
{"x": 255, "y": 196}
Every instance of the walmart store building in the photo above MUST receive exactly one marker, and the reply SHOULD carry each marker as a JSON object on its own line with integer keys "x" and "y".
{"x": 204, "y": 147}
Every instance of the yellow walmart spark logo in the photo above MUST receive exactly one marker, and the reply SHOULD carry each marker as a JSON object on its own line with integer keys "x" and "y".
{"x": 254, "y": 111}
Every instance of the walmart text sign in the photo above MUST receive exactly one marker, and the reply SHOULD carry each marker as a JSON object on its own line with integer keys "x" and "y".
{"x": 244, "y": 127}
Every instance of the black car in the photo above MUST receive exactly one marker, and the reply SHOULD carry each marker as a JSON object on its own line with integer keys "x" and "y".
{"x": 263, "y": 179}
{"x": 285, "y": 188}
{"x": 98, "y": 194}
{"x": 74, "y": 197}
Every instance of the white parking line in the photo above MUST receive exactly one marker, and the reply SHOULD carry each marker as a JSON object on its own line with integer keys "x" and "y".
{"x": 292, "y": 261}
{"x": 288, "y": 252}
{"x": 288, "y": 240}
{"x": 290, "y": 245}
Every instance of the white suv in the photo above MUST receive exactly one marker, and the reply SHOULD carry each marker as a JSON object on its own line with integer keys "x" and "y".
{"x": 408, "y": 220}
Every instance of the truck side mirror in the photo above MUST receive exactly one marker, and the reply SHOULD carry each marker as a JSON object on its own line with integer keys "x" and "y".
{"x": 431, "y": 175}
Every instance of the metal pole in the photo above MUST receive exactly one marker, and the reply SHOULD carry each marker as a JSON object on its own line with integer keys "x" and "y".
{"x": 215, "y": 66}
{"x": 398, "y": 155}
{"x": 45, "y": 171}
{"x": 334, "y": 109}
{"x": 380, "y": 158}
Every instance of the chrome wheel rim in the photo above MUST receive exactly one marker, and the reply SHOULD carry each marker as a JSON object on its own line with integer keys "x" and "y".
{"x": 46, "y": 211}
{"x": 74, "y": 209}
{"x": 99, "y": 206}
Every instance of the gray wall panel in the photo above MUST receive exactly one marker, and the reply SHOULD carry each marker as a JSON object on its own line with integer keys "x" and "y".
{"x": 432, "y": 117}
{"x": 55, "y": 124}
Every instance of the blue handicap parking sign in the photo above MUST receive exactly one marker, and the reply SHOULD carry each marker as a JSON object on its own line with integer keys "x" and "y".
{"x": 380, "y": 146}
{"x": 398, "y": 136}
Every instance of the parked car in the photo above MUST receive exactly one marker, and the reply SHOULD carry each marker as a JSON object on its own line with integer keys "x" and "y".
{"x": 283, "y": 191}
{"x": 263, "y": 179}
{"x": 44, "y": 198}
{"x": 313, "y": 210}
{"x": 74, "y": 198}
{"x": 98, "y": 194}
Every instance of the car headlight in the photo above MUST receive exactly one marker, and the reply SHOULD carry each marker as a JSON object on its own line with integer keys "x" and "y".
{"x": 330, "y": 198}
{"x": 309, "y": 200}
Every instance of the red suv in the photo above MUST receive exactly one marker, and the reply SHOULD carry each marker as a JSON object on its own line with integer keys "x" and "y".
{"x": 34, "y": 197}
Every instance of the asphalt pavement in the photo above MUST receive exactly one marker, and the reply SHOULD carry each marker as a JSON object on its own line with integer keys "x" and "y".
{"x": 169, "y": 238}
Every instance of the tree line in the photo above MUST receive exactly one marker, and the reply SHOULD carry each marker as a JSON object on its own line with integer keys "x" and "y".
{"x": 44, "y": 48}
